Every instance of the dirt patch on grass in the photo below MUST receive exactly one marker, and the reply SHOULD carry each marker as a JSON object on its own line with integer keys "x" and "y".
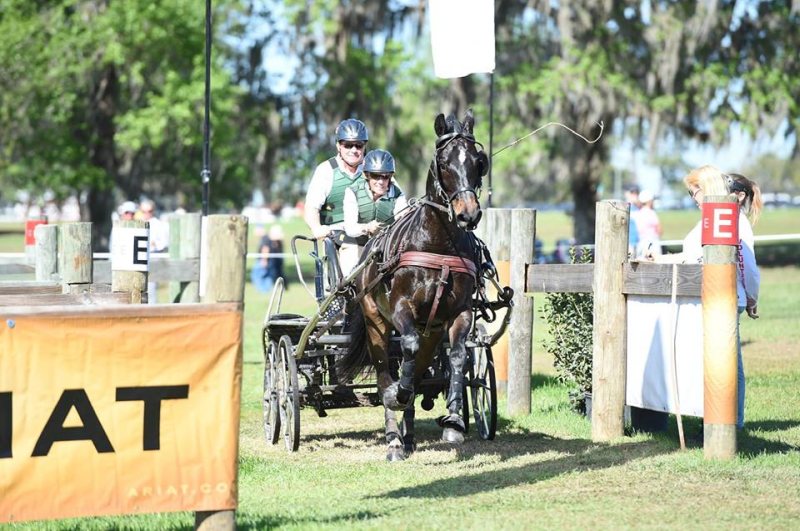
{"x": 776, "y": 356}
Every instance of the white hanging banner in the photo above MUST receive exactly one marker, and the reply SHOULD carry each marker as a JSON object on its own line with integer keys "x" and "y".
{"x": 462, "y": 37}
{"x": 130, "y": 249}
{"x": 650, "y": 384}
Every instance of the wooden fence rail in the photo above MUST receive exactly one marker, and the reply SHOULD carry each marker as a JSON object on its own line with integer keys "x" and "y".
{"x": 638, "y": 278}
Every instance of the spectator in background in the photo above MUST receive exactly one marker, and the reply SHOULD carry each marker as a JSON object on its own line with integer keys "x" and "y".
{"x": 127, "y": 210}
{"x": 159, "y": 230}
{"x": 561, "y": 253}
{"x": 159, "y": 239}
{"x": 748, "y": 278}
{"x": 632, "y": 197}
{"x": 705, "y": 181}
{"x": 648, "y": 225}
{"x": 269, "y": 267}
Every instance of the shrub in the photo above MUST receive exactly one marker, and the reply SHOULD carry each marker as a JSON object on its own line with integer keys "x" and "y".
{"x": 569, "y": 316}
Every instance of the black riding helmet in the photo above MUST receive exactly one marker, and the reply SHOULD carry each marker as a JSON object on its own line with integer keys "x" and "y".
{"x": 378, "y": 161}
{"x": 351, "y": 130}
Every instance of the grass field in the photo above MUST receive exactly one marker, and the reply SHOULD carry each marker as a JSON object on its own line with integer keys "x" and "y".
{"x": 542, "y": 471}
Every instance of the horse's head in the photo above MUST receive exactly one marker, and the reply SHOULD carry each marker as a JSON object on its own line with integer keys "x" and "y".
{"x": 458, "y": 166}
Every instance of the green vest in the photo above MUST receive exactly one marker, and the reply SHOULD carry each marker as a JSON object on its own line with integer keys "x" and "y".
{"x": 333, "y": 209}
{"x": 369, "y": 210}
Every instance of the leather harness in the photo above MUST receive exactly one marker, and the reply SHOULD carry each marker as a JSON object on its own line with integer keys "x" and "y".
{"x": 445, "y": 264}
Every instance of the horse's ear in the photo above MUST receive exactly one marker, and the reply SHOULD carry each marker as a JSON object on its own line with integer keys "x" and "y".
{"x": 469, "y": 121}
{"x": 440, "y": 125}
{"x": 483, "y": 163}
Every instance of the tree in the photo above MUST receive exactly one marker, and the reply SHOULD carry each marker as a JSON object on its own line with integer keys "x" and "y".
{"x": 680, "y": 70}
{"x": 107, "y": 97}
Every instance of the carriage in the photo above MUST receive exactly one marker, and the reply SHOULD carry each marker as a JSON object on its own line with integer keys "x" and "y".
{"x": 302, "y": 353}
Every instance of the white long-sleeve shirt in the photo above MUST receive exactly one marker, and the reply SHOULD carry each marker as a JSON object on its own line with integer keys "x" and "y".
{"x": 748, "y": 277}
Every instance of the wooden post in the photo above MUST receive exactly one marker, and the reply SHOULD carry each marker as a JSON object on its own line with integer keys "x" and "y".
{"x": 75, "y": 256}
{"x": 520, "y": 352}
{"x": 130, "y": 258}
{"x": 46, "y": 251}
{"x": 225, "y": 253}
{"x": 496, "y": 232}
{"x": 608, "y": 357}
{"x": 30, "y": 238}
{"x": 719, "y": 332}
{"x": 184, "y": 244}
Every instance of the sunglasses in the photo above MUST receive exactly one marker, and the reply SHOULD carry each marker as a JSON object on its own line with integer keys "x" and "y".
{"x": 694, "y": 193}
{"x": 379, "y": 176}
{"x": 351, "y": 145}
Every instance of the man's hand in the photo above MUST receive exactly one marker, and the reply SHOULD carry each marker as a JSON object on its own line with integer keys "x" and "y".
{"x": 752, "y": 309}
{"x": 320, "y": 231}
{"x": 372, "y": 227}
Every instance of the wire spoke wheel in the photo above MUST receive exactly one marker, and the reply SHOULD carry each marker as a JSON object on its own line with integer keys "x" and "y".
{"x": 465, "y": 403}
{"x": 483, "y": 390}
{"x": 289, "y": 395}
{"x": 272, "y": 419}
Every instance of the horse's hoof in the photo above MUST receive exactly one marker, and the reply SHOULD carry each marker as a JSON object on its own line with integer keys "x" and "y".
{"x": 410, "y": 446}
{"x": 452, "y": 436}
{"x": 427, "y": 403}
{"x": 395, "y": 454}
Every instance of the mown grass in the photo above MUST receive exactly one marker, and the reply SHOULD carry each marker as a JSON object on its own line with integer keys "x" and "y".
{"x": 542, "y": 471}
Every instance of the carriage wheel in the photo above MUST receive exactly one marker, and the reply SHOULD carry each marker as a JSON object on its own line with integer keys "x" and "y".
{"x": 272, "y": 419}
{"x": 483, "y": 388}
{"x": 289, "y": 402}
{"x": 465, "y": 404}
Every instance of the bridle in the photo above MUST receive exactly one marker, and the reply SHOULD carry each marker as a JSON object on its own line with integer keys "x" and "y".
{"x": 447, "y": 201}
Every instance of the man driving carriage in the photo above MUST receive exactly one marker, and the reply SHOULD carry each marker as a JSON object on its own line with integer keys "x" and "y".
{"x": 374, "y": 201}
{"x": 324, "y": 205}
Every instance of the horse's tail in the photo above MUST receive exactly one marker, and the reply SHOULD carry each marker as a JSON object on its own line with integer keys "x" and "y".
{"x": 349, "y": 366}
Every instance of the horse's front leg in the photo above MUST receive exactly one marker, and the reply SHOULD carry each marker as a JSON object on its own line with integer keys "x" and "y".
{"x": 409, "y": 442}
{"x": 454, "y": 423}
{"x": 401, "y": 395}
{"x": 378, "y": 344}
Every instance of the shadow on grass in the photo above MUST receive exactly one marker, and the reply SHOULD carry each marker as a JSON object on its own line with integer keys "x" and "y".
{"x": 749, "y": 443}
{"x": 575, "y": 455}
{"x": 271, "y": 522}
{"x": 544, "y": 380}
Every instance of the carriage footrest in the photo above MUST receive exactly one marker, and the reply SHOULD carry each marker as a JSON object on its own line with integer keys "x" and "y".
{"x": 354, "y": 399}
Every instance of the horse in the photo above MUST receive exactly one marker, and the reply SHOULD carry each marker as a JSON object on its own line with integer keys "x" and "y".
{"x": 421, "y": 285}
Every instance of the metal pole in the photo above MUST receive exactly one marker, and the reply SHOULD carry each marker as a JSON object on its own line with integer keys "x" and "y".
{"x": 491, "y": 136}
{"x": 206, "y": 173}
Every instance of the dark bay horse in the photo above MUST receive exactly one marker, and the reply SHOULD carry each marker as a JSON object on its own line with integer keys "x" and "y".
{"x": 421, "y": 284}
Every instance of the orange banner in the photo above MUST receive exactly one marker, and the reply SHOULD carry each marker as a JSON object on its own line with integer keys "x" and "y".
{"x": 119, "y": 410}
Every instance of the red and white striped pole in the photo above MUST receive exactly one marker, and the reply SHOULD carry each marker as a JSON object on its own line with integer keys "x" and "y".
{"x": 720, "y": 237}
